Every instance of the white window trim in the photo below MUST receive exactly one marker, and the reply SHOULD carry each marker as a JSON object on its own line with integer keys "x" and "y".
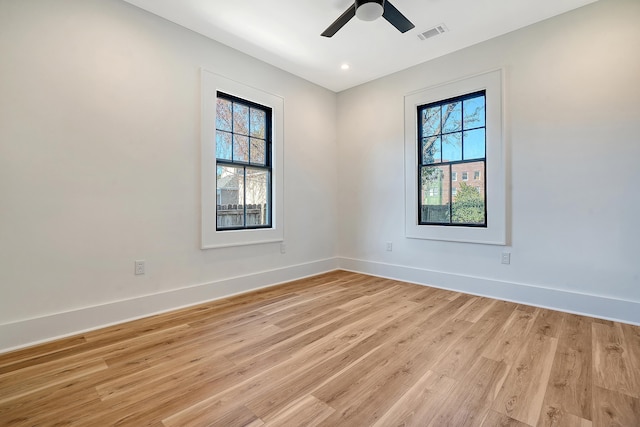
{"x": 212, "y": 238}
{"x": 495, "y": 232}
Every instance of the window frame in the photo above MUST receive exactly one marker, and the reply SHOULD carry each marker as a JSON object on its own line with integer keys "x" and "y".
{"x": 495, "y": 187}
{"x": 211, "y": 237}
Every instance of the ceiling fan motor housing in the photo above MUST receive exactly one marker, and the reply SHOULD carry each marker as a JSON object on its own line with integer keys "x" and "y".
{"x": 369, "y": 10}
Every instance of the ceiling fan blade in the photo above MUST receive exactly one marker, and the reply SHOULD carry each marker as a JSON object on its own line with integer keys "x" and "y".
{"x": 340, "y": 22}
{"x": 396, "y": 18}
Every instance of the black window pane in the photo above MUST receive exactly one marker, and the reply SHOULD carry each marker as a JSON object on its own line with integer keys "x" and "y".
{"x": 434, "y": 194}
{"x": 258, "y": 123}
{"x": 240, "y": 148}
{"x": 258, "y": 151}
{"x": 230, "y": 196}
{"x": 223, "y": 145}
{"x": 431, "y": 121}
{"x": 452, "y": 147}
{"x": 474, "y": 112}
{"x": 223, "y": 115}
{"x": 257, "y": 181}
{"x": 431, "y": 150}
{"x": 468, "y": 205}
{"x": 452, "y": 117}
{"x": 474, "y": 144}
{"x": 240, "y": 119}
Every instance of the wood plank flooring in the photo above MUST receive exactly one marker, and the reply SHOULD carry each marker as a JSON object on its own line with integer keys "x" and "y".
{"x": 339, "y": 349}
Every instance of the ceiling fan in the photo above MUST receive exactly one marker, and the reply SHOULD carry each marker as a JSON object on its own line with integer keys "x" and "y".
{"x": 369, "y": 10}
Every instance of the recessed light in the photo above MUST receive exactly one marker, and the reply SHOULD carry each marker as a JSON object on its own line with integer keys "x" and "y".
{"x": 345, "y": 66}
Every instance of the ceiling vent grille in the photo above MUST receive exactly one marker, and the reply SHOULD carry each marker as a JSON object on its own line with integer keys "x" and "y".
{"x": 435, "y": 31}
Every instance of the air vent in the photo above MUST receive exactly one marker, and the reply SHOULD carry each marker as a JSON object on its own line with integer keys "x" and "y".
{"x": 437, "y": 30}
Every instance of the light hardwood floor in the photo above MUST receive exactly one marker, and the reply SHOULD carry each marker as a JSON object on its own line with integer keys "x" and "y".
{"x": 340, "y": 349}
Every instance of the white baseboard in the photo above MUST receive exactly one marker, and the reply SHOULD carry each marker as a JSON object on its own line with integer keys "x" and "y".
{"x": 41, "y": 329}
{"x": 29, "y": 332}
{"x": 556, "y": 299}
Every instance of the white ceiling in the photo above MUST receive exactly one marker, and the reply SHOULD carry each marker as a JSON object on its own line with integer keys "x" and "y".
{"x": 286, "y": 33}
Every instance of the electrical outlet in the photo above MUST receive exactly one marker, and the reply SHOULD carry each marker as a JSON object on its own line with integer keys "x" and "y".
{"x": 506, "y": 258}
{"x": 139, "y": 267}
{"x": 283, "y": 248}
{"x": 389, "y": 246}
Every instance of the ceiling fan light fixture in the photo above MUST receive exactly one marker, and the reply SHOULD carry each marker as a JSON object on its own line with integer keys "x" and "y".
{"x": 369, "y": 10}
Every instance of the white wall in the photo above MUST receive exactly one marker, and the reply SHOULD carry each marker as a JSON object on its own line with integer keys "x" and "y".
{"x": 572, "y": 129}
{"x": 100, "y": 166}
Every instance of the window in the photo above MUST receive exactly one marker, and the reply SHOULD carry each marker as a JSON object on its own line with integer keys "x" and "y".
{"x": 451, "y": 135}
{"x": 476, "y": 175}
{"x": 243, "y": 159}
{"x": 450, "y": 129}
{"x": 242, "y": 164}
